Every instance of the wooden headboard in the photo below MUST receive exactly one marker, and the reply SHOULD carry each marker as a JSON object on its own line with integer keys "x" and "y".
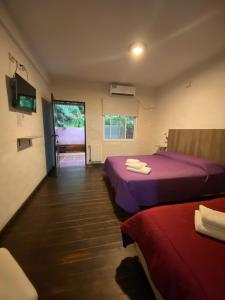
{"x": 206, "y": 143}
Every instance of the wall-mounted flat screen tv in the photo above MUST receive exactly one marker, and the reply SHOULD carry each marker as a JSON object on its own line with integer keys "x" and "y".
{"x": 24, "y": 94}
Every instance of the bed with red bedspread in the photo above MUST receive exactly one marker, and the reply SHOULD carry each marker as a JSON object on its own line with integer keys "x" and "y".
{"x": 183, "y": 264}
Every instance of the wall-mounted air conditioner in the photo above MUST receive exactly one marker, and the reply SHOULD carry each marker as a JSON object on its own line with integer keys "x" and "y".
{"x": 118, "y": 89}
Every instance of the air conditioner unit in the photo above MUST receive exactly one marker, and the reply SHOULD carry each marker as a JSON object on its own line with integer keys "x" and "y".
{"x": 126, "y": 90}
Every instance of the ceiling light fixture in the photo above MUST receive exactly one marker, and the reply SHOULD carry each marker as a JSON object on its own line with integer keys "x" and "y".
{"x": 137, "y": 49}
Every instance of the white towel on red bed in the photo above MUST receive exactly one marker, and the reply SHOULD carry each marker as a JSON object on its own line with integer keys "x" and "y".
{"x": 212, "y": 217}
{"x": 209, "y": 230}
{"x": 143, "y": 170}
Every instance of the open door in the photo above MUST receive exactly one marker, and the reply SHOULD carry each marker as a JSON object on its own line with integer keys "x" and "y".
{"x": 54, "y": 135}
{"x": 49, "y": 135}
{"x": 70, "y": 129}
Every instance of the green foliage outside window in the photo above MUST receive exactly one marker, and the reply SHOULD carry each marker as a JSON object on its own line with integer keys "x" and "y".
{"x": 67, "y": 115}
{"x": 119, "y": 127}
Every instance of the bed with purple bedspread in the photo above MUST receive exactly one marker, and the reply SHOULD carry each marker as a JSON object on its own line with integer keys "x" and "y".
{"x": 174, "y": 177}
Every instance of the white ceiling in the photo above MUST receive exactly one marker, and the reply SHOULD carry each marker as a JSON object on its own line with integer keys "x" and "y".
{"x": 89, "y": 39}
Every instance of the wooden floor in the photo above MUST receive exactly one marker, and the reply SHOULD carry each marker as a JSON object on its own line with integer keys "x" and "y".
{"x": 67, "y": 240}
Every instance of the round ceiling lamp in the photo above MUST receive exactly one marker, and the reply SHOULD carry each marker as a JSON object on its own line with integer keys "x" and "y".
{"x": 137, "y": 49}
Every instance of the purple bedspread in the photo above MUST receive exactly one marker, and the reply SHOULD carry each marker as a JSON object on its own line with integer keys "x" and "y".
{"x": 174, "y": 177}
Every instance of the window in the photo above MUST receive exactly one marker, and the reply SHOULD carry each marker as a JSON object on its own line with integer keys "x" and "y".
{"x": 119, "y": 127}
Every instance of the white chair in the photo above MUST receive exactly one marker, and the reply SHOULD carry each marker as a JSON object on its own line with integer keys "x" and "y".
{"x": 14, "y": 284}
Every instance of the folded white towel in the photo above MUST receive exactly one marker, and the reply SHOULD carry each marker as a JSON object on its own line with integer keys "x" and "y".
{"x": 143, "y": 170}
{"x": 212, "y": 217}
{"x": 132, "y": 160}
{"x": 206, "y": 229}
{"x": 137, "y": 165}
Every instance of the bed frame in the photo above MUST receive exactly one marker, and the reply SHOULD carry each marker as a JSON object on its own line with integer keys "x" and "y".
{"x": 206, "y": 143}
{"x": 143, "y": 263}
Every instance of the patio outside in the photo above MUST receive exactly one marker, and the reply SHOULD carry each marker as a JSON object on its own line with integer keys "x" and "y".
{"x": 70, "y": 130}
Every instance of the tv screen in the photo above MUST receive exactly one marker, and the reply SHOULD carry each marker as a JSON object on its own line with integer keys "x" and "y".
{"x": 24, "y": 94}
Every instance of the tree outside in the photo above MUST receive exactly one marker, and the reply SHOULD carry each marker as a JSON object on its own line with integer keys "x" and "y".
{"x": 67, "y": 115}
{"x": 119, "y": 127}
{"x": 69, "y": 123}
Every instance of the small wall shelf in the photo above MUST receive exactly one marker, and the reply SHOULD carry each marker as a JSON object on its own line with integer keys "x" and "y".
{"x": 26, "y": 142}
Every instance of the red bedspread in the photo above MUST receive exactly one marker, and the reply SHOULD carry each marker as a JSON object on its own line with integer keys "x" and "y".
{"x": 184, "y": 265}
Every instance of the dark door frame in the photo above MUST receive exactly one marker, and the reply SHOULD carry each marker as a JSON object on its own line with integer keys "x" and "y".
{"x": 74, "y": 102}
{"x": 47, "y": 113}
{"x": 54, "y": 134}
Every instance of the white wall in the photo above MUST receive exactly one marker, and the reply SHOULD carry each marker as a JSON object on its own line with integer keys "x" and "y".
{"x": 194, "y": 101}
{"x": 92, "y": 94}
{"x": 21, "y": 171}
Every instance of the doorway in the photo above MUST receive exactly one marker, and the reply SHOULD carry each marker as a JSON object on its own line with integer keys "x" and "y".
{"x": 70, "y": 130}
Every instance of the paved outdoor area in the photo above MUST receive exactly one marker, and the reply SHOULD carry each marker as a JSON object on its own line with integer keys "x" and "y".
{"x": 75, "y": 159}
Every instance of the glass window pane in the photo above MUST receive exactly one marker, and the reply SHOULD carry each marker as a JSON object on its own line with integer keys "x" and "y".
{"x": 107, "y": 132}
{"x": 114, "y": 132}
{"x": 107, "y": 120}
{"x": 130, "y": 132}
{"x": 131, "y": 120}
{"x": 122, "y": 131}
{"x": 119, "y": 127}
{"x": 130, "y": 127}
{"x": 117, "y": 131}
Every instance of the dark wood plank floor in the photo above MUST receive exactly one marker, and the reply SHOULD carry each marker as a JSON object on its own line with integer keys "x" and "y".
{"x": 67, "y": 240}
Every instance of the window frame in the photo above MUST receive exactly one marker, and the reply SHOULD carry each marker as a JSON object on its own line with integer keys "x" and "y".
{"x": 121, "y": 140}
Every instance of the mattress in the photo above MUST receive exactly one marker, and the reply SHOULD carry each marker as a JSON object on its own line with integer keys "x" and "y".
{"x": 174, "y": 178}
{"x": 183, "y": 263}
